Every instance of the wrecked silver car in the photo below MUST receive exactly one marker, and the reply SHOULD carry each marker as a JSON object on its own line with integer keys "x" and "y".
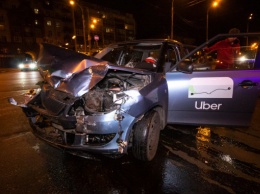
{"x": 124, "y": 96}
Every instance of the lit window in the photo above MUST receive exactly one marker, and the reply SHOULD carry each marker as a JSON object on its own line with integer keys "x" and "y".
{"x": 36, "y": 22}
{"x": 129, "y": 27}
{"x": 109, "y": 30}
{"x": 36, "y": 11}
{"x": 49, "y": 23}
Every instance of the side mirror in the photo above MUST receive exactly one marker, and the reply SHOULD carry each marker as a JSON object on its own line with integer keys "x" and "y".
{"x": 185, "y": 67}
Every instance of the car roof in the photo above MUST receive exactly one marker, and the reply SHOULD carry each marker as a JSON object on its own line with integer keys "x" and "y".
{"x": 148, "y": 41}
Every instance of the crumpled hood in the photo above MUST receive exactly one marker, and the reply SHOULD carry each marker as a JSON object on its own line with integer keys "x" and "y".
{"x": 72, "y": 72}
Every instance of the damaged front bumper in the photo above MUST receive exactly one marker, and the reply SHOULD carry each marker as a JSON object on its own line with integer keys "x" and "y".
{"x": 86, "y": 104}
{"x": 103, "y": 134}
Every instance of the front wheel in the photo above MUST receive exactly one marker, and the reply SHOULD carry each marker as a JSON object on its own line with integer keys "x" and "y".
{"x": 146, "y": 136}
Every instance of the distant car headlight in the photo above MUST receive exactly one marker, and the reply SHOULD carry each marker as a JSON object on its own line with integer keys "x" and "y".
{"x": 21, "y": 65}
{"x": 32, "y": 65}
{"x": 245, "y": 59}
{"x": 242, "y": 58}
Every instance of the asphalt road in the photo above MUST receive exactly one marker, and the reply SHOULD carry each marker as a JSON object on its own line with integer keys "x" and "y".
{"x": 190, "y": 159}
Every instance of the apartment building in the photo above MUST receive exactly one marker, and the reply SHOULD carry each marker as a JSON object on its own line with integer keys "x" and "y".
{"x": 82, "y": 27}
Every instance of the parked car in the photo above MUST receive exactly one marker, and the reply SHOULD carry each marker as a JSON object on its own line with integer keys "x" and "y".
{"x": 28, "y": 65}
{"x": 124, "y": 96}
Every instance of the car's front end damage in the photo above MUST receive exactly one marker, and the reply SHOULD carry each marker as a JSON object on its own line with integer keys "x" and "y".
{"x": 88, "y": 105}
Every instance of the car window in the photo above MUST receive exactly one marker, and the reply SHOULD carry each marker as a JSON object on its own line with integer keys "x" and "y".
{"x": 113, "y": 56}
{"x": 225, "y": 53}
{"x": 171, "y": 56}
{"x": 243, "y": 59}
{"x": 139, "y": 55}
{"x": 246, "y": 58}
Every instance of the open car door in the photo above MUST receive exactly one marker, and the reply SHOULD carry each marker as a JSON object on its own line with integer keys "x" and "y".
{"x": 210, "y": 96}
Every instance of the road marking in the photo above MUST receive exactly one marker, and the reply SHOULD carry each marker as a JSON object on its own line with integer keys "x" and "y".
{"x": 13, "y": 136}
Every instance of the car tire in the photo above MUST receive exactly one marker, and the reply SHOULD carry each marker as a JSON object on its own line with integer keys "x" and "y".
{"x": 146, "y": 136}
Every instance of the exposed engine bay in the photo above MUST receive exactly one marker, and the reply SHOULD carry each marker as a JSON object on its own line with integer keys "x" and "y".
{"x": 109, "y": 93}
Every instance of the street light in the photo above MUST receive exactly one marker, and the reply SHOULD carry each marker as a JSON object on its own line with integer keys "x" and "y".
{"x": 83, "y": 25}
{"x": 247, "y": 26}
{"x": 172, "y": 13}
{"x": 249, "y": 18}
{"x": 214, "y": 4}
{"x": 74, "y": 30}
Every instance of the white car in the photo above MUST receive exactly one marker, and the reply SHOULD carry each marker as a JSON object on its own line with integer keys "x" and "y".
{"x": 28, "y": 65}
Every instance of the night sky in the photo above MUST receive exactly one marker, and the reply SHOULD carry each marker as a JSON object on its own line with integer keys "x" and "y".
{"x": 153, "y": 17}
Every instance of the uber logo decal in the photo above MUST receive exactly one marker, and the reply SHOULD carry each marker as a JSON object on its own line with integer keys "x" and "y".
{"x": 206, "y": 106}
{"x": 211, "y": 87}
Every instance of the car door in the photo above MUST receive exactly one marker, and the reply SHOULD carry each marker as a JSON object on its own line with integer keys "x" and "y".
{"x": 212, "y": 97}
{"x": 207, "y": 96}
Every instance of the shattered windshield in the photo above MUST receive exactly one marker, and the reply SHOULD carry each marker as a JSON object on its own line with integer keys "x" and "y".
{"x": 139, "y": 55}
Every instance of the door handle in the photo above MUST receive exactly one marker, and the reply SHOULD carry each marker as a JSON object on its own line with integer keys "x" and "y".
{"x": 247, "y": 84}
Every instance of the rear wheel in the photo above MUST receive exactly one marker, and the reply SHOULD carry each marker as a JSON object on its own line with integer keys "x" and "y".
{"x": 146, "y": 136}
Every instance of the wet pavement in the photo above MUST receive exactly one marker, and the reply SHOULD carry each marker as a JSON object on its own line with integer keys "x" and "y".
{"x": 190, "y": 159}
